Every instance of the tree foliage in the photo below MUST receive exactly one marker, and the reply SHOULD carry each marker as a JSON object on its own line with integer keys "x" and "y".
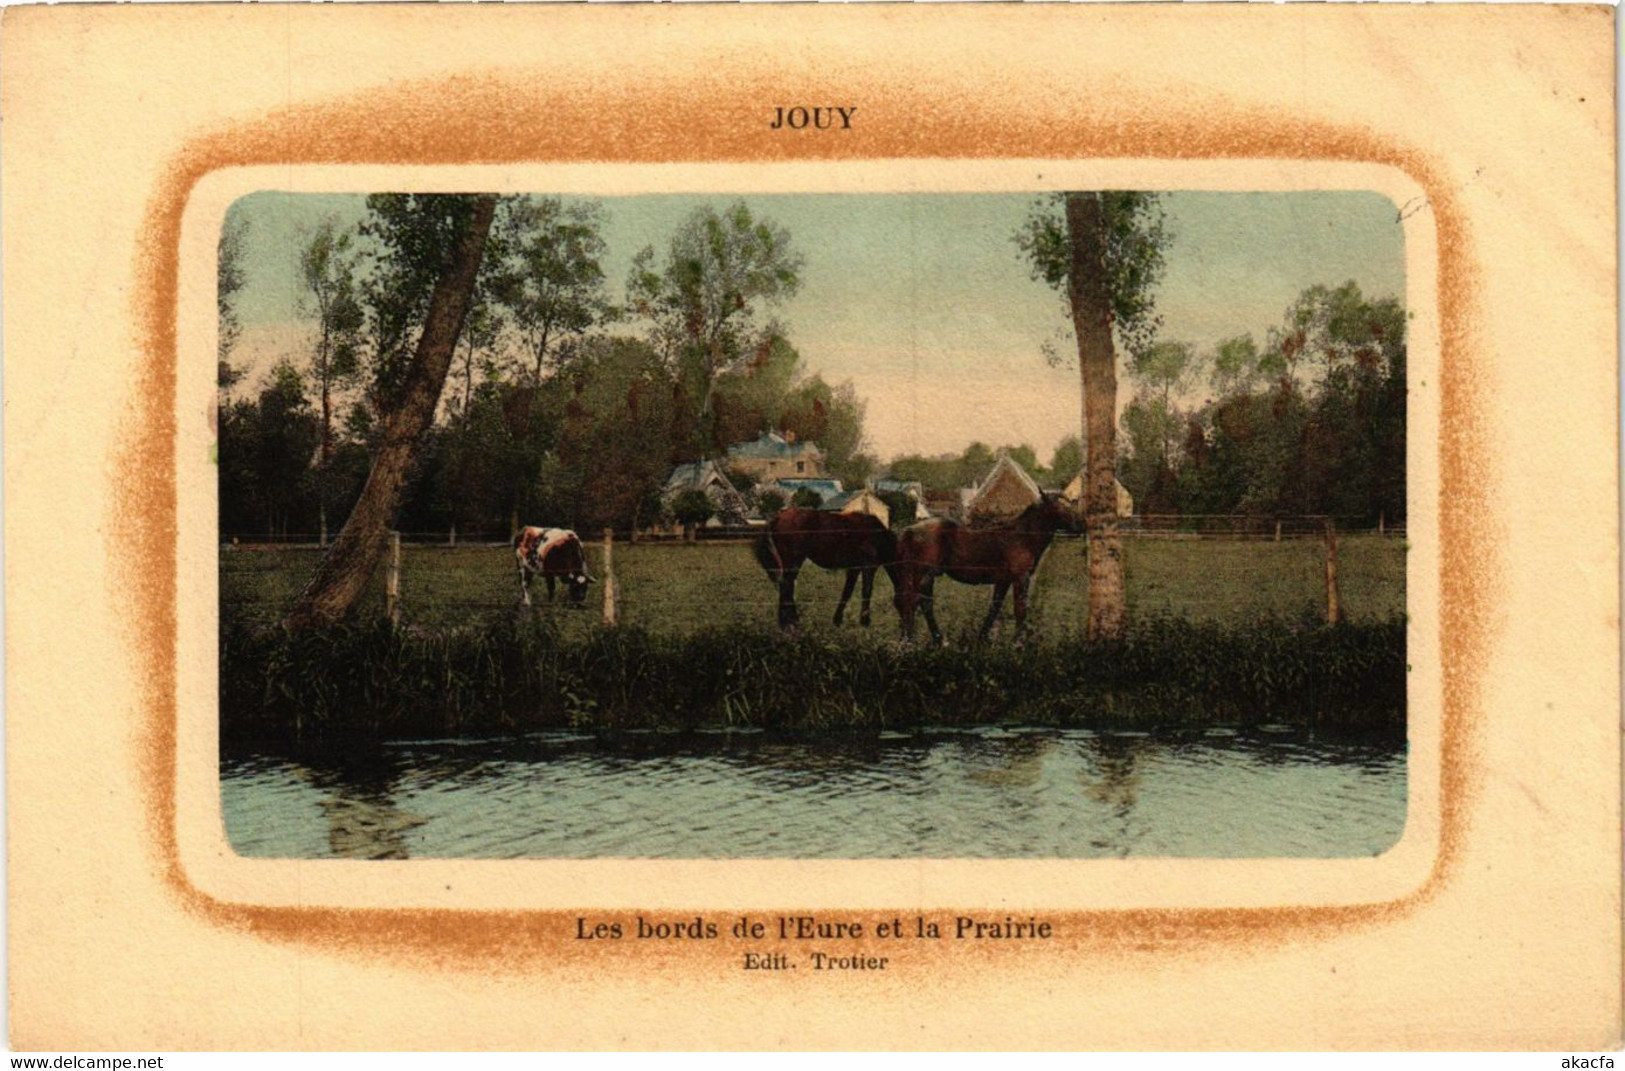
{"x": 327, "y": 267}
{"x": 1135, "y": 237}
{"x": 691, "y": 508}
{"x": 548, "y": 275}
{"x": 267, "y": 447}
{"x": 708, "y": 299}
{"x": 1313, "y": 423}
{"x": 770, "y": 503}
{"x": 1067, "y": 460}
{"x": 228, "y": 281}
{"x": 411, "y": 238}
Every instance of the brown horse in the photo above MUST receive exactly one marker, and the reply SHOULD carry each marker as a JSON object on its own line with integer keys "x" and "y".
{"x": 856, "y": 542}
{"x": 1003, "y": 555}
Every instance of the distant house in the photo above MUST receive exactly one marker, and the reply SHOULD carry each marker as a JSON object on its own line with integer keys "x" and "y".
{"x": 825, "y": 489}
{"x": 706, "y": 476}
{"x": 1007, "y": 490}
{"x": 863, "y": 500}
{"x": 775, "y": 456}
{"x": 1125, "y": 501}
{"x": 1003, "y": 493}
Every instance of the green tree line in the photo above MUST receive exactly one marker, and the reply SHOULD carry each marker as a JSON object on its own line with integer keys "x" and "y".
{"x": 1311, "y": 421}
{"x": 562, "y": 404}
{"x": 569, "y": 403}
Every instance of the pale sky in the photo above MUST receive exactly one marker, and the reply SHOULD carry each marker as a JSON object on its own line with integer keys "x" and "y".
{"x": 923, "y": 300}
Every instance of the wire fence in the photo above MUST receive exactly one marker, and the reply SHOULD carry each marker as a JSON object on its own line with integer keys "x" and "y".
{"x": 1291, "y": 569}
{"x": 1138, "y": 526}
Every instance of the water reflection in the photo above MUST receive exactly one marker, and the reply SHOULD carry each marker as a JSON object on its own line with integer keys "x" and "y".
{"x": 984, "y": 793}
{"x": 363, "y": 819}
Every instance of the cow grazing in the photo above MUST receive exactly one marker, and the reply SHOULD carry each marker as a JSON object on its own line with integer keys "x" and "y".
{"x": 555, "y": 553}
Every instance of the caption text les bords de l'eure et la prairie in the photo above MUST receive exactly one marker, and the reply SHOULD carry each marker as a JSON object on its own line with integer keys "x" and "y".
{"x": 768, "y": 935}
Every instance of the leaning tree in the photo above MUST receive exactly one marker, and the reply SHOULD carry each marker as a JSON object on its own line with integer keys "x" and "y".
{"x": 449, "y": 232}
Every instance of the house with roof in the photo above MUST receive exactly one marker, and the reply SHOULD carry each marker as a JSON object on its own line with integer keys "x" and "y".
{"x": 1125, "y": 501}
{"x": 1007, "y": 490}
{"x": 863, "y": 500}
{"x": 707, "y": 477}
{"x": 774, "y": 456}
{"x": 1003, "y": 493}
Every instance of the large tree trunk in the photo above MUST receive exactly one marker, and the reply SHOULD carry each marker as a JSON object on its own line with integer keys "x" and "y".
{"x": 1090, "y": 301}
{"x": 345, "y": 570}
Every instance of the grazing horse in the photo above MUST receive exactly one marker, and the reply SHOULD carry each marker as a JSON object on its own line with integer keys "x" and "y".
{"x": 554, "y": 553}
{"x": 1003, "y": 555}
{"x": 856, "y": 542}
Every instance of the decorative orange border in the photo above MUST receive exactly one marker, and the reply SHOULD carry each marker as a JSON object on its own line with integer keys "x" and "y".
{"x": 497, "y": 120}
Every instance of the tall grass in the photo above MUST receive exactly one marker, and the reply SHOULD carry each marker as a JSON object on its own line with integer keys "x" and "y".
{"x": 522, "y": 674}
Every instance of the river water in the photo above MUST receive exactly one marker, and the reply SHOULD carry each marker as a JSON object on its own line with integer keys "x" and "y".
{"x": 986, "y": 793}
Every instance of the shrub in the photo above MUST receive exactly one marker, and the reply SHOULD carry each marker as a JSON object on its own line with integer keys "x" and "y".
{"x": 692, "y": 507}
{"x": 769, "y": 503}
{"x": 521, "y": 674}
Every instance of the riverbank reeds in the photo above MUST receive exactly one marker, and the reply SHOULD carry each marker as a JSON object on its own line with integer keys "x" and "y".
{"x": 519, "y": 675}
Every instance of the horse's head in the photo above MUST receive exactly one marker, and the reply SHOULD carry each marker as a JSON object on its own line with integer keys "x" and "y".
{"x": 1061, "y": 511}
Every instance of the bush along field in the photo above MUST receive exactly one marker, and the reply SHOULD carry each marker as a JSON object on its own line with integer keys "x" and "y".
{"x": 1204, "y": 649}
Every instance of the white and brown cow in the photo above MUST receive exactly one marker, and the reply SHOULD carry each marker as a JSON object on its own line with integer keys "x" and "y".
{"x": 555, "y": 553}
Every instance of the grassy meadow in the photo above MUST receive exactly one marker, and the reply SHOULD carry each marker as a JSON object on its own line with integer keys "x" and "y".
{"x": 1220, "y": 634}
{"x": 674, "y": 589}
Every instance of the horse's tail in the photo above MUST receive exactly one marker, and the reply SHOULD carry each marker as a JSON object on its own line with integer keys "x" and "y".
{"x": 767, "y": 556}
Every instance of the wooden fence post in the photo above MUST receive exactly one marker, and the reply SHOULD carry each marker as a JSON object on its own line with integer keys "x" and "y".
{"x": 453, "y": 538}
{"x": 609, "y": 576}
{"x": 1334, "y": 605}
{"x": 392, "y": 581}
{"x": 1277, "y": 529}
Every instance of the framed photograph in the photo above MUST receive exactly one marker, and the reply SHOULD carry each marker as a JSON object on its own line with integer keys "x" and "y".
{"x": 964, "y": 527}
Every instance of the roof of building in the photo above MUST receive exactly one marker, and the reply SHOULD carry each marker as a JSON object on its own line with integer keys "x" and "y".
{"x": 771, "y": 446}
{"x": 863, "y": 500}
{"x": 1004, "y": 469}
{"x": 843, "y": 499}
{"x": 907, "y": 487}
{"x": 825, "y": 488}
{"x": 694, "y": 474}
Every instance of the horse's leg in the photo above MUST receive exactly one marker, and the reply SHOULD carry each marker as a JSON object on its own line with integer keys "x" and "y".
{"x": 928, "y": 599}
{"x": 868, "y": 590}
{"x": 904, "y": 598}
{"x": 846, "y": 594}
{"x": 524, "y": 583}
{"x": 1021, "y": 606}
{"x": 993, "y": 611}
{"x": 787, "y": 597}
{"x": 549, "y": 577}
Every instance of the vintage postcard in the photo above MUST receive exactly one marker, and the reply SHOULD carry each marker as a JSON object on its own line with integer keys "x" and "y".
{"x": 952, "y": 527}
